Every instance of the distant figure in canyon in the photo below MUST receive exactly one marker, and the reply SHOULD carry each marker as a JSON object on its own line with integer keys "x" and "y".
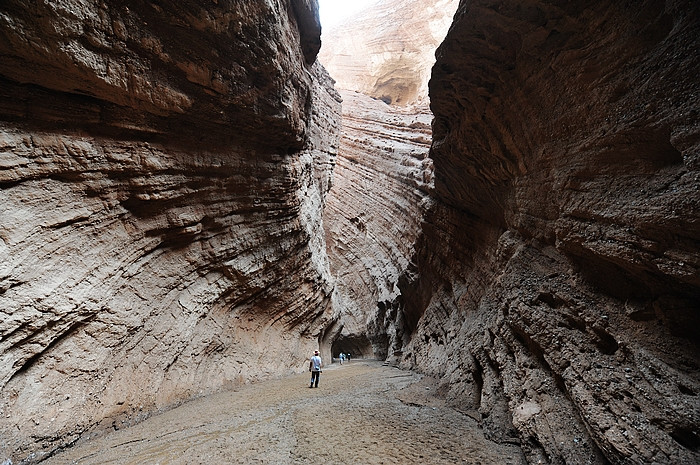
{"x": 315, "y": 368}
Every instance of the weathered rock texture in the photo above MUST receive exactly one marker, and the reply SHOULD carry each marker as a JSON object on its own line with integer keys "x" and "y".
{"x": 373, "y": 217}
{"x": 383, "y": 176}
{"x": 387, "y": 50}
{"x": 556, "y": 286}
{"x": 162, "y": 173}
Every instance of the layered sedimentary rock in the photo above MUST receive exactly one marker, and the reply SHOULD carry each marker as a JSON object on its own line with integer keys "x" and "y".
{"x": 164, "y": 167}
{"x": 556, "y": 287}
{"x": 381, "y": 58}
{"x": 162, "y": 173}
{"x": 373, "y": 216}
{"x": 387, "y": 50}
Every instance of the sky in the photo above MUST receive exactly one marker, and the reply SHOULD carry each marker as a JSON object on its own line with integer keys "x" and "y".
{"x": 333, "y": 11}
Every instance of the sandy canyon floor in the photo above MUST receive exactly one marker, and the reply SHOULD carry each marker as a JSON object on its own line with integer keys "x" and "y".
{"x": 361, "y": 413}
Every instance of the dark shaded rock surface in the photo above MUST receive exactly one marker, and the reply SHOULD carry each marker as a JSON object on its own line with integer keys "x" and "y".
{"x": 556, "y": 288}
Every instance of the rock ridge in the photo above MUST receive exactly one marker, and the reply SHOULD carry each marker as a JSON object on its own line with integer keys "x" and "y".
{"x": 373, "y": 215}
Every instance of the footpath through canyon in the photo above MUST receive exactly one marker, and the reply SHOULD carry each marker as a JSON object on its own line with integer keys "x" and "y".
{"x": 363, "y": 412}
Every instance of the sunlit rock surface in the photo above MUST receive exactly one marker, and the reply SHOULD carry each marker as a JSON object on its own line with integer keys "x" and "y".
{"x": 557, "y": 288}
{"x": 387, "y": 50}
{"x": 163, "y": 168}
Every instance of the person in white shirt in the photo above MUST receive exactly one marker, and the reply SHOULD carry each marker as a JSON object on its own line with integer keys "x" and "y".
{"x": 315, "y": 369}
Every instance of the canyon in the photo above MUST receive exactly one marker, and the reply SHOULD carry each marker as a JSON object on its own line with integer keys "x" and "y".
{"x": 189, "y": 202}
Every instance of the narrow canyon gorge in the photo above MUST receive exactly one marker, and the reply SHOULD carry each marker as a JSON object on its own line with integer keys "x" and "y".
{"x": 502, "y": 196}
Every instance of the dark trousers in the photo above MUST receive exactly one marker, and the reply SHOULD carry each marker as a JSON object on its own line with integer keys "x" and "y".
{"x": 314, "y": 378}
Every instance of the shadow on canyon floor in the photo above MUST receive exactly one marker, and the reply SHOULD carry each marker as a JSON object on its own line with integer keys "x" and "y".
{"x": 362, "y": 412}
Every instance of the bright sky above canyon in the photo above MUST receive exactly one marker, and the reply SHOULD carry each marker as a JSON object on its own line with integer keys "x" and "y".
{"x": 334, "y": 11}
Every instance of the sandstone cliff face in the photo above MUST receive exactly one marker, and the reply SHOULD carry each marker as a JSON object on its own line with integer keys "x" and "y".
{"x": 162, "y": 173}
{"x": 387, "y": 50}
{"x": 556, "y": 286}
{"x": 373, "y": 217}
{"x": 164, "y": 167}
{"x": 381, "y": 184}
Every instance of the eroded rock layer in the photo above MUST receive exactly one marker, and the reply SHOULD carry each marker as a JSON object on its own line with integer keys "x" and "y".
{"x": 381, "y": 58}
{"x": 556, "y": 286}
{"x": 373, "y": 216}
{"x": 386, "y": 51}
{"x": 164, "y": 166}
{"x": 162, "y": 172}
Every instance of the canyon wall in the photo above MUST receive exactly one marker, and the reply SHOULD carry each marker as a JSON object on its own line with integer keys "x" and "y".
{"x": 556, "y": 288}
{"x": 387, "y": 50}
{"x": 373, "y": 218}
{"x": 163, "y": 167}
{"x": 381, "y": 59}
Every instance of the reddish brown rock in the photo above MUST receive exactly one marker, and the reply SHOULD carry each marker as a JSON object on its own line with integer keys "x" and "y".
{"x": 555, "y": 289}
{"x": 164, "y": 167}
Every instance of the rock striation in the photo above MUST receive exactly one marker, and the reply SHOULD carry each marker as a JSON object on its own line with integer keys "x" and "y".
{"x": 372, "y": 218}
{"x": 163, "y": 167}
{"x": 381, "y": 58}
{"x": 180, "y": 213}
{"x": 556, "y": 285}
{"x": 387, "y": 50}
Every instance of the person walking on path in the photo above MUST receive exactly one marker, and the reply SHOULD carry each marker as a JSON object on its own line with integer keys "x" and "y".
{"x": 315, "y": 369}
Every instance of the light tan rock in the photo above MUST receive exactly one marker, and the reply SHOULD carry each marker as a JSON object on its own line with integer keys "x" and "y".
{"x": 165, "y": 178}
{"x": 383, "y": 175}
{"x": 373, "y": 216}
{"x": 387, "y": 50}
{"x": 162, "y": 175}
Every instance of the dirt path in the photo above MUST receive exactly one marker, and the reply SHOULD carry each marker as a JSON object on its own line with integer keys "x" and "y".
{"x": 353, "y": 417}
